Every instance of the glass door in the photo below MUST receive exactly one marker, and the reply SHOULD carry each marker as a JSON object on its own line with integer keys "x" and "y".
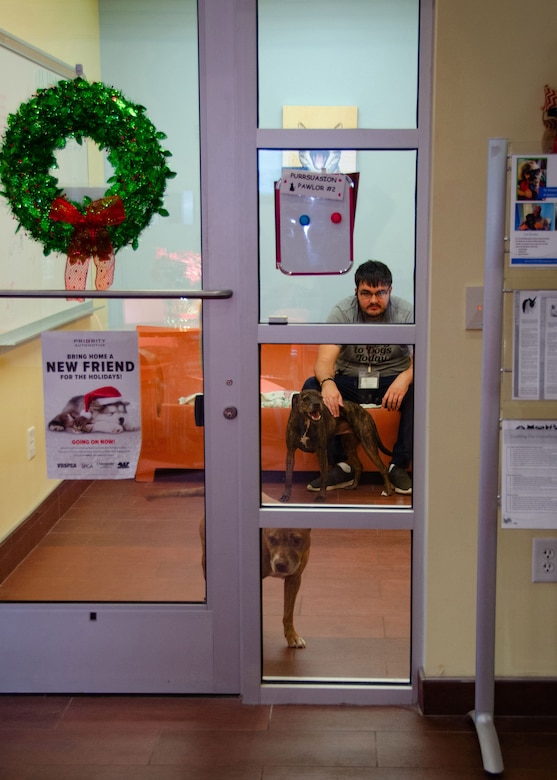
{"x": 343, "y": 153}
{"x": 120, "y": 571}
{"x": 227, "y": 332}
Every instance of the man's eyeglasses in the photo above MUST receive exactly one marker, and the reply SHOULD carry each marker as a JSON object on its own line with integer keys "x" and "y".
{"x": 367, "y": 295}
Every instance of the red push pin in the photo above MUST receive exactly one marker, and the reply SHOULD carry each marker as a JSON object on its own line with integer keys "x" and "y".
{"x": 336, "y": 217}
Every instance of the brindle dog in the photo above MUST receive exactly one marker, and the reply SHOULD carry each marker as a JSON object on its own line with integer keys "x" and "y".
{"x": 310, "y": 426}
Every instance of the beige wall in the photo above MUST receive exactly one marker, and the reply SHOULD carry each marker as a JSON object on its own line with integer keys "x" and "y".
{"x": 491, "y": 64}
{"x": 68, "y": 31}
{"x": 65, "y": 29}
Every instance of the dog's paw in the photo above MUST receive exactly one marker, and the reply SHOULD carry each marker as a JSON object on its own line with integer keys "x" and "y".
{"x": 296, "y": 641}
{"x": 285, "y": 498}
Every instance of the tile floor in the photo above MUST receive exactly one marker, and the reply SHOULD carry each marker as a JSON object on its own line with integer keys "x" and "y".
{"x": 181, "y": 738}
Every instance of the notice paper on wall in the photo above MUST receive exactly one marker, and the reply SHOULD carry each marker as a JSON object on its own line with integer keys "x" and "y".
{"x": 533, "y": 218}
{"x": 529, "y": 476}
{"x": 92, "y": 404}
{"x": 535, "y": 345}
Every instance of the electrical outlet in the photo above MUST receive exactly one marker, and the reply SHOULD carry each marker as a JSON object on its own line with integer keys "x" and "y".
{"x": 31, "y": 446}
{"x": 544, "y": 560}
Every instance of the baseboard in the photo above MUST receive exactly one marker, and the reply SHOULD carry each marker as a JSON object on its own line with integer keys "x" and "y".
{"x": 17, "y": 546}
{"x": 527, "y": 697}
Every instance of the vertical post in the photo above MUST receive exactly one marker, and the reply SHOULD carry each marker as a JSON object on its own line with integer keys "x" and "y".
{"x": 489, "y": 455}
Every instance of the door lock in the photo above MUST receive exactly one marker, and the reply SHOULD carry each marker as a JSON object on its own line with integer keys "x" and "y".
{"x": 230, "y": 412}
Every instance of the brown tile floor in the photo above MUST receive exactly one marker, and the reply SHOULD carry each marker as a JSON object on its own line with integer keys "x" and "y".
{"x": 181, "y": 738}
{"x": 109, "y": 535}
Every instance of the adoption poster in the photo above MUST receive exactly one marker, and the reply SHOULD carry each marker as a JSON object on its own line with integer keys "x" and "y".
{"x": 529, "y": 476}
{"x": 91, "y": 404}
{"x": 533, "y": 223}
{"x": 535, "y": 345}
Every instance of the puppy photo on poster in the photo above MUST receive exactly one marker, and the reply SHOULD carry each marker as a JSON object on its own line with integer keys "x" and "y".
{"x": 91, "y": 404}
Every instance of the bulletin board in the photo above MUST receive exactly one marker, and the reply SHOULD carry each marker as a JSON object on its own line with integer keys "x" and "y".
{"x": 23, "y": 265}
{"x": 314, "y": 221}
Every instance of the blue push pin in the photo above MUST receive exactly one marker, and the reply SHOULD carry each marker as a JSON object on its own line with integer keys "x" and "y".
{"x": 304, "y": 220}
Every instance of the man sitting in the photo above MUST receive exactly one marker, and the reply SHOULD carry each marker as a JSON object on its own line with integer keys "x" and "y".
{"x": 380, "y": 374}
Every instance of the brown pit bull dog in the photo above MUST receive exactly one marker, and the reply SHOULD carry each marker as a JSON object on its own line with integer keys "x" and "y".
{"x": 311, "y": 425}
{"x": 284, "y": 554}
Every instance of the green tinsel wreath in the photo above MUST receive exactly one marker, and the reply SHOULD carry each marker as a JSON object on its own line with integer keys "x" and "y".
{"x": 79, "y": 109}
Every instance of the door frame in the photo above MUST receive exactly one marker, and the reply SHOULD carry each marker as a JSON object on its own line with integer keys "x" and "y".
{"x": 254, "y": 516}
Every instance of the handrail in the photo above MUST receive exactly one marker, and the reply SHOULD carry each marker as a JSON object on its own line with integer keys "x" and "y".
{"x": 128, "y": 294}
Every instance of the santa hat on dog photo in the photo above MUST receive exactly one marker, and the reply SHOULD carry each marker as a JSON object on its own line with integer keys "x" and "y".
{"x": 102, "y": 396}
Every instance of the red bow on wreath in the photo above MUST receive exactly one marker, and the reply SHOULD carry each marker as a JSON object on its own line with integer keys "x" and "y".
{"x": 90, "y": 239}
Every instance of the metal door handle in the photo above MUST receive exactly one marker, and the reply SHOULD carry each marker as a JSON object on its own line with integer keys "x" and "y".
{"x": 204, "y": 295}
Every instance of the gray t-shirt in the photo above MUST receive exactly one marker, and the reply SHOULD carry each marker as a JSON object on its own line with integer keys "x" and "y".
{"x": 382, "y": 359}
